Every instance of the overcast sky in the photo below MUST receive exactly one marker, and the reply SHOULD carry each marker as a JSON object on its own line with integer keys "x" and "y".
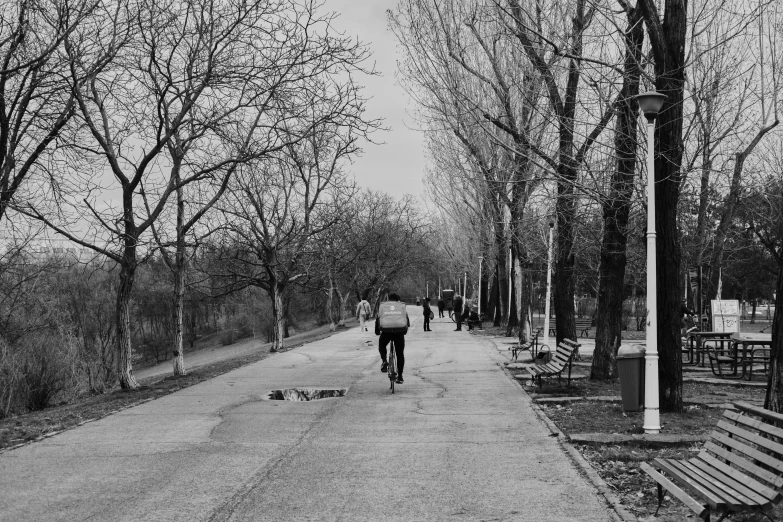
{"x": 396, "y": 166}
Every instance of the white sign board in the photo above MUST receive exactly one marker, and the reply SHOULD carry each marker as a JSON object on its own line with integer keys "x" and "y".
{"x": 726, "y": 316}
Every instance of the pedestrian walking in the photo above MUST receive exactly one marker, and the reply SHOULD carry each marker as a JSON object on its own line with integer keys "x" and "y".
{"x": 458, "y": 312}
{"x": 441, "y": 306}
{"x": 427, "y": 314}
{"x": 363, "y": 313}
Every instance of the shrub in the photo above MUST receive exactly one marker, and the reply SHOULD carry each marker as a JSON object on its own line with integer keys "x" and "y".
{"x": 48, "y": 369}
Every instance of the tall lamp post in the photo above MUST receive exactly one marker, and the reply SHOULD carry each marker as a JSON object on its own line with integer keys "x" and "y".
{"x": 481, "y": 259}
{"x": 548, "y": 285}
{"x": 650, "y": 103}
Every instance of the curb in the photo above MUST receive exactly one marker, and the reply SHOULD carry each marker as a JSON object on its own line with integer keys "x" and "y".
{"x": 603, "y": 488}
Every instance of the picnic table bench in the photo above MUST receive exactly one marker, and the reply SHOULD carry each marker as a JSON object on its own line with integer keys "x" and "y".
{"x": 583, "y": 326}
{"x": 740, "y": 468}
{"x": 560, "y": 358}
{"x": 739, "y": 350}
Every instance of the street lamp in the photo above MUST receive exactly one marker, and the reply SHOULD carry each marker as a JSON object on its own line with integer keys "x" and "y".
{"x": 548, "y": 285}
{"x": 650, "y": 103}
{"x": 481, "y": 259}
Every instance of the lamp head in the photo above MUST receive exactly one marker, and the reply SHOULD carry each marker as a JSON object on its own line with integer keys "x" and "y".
{"x": 650, "y": 103}
{"x": 551, "y": 224}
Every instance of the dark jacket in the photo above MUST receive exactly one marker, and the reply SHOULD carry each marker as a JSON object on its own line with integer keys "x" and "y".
{"x": 426, "y": 309}
{"x": 458, "y": 304}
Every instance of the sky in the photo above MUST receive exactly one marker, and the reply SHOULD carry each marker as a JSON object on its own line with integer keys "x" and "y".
{"x": 396, "y": 165}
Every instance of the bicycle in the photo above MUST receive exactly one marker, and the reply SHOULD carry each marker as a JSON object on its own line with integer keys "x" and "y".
{"x": 392, "y": 370}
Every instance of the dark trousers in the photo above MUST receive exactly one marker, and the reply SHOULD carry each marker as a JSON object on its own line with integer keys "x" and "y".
{"x": 426, "y": 322}
{"x": 440, "y": 311}
{"x": 399, "y": 348}
{"x": 458, "y": 318}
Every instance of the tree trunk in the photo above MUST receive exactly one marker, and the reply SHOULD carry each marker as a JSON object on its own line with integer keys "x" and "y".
{"x": 512, "y": 307}
{"x": 341, "y": 312}
{"x": 502, "y": 270}
{"x": 774, "y": 397}
{"x": 329, "y": 304}
{"x": 278, "y": 314}
{"x": 124, "y": 348}
{"x": 609, "y": 316}
{"x": 667, "y": 41}
{"x": 178, "y": 360}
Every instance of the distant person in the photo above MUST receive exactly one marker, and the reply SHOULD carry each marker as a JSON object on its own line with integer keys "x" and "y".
{"x": 458, "y": 311}
{"x": 397, "y": 335}
{"x": 363, "y": 313}
{"x": 441, "y": 306}
{"x": 686, "y": 317}
{"x": 427, "y": 313}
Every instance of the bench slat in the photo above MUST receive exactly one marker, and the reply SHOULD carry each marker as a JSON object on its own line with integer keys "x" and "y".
{"x": 757, "y": 471}
{"x": 763, "y": 427}
{"x": 739, "y": 480}
{"x": 697, "y": 507}
{"x": 739, "y": 468}
{"x": 724, "y": 484}
{"x": 747, "y": 450}
{"x": 760, "y": 412}
{"x": 692, "y": 487}
{"x": 703, "y": 488}
{"x": 752, "y": 437}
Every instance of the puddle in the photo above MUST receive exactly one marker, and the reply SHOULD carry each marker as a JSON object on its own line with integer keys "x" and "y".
{"x": 305, "y": 394}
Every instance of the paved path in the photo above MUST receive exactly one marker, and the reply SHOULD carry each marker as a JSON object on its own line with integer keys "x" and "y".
{"x": 458, "y": 441}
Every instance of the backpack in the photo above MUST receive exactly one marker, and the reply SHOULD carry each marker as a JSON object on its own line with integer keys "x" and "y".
{"x": 392, "y": 317}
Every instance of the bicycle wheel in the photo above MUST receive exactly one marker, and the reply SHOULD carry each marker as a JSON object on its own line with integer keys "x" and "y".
{"x": 392, "y": 366}
{"x": 451, "y": 316}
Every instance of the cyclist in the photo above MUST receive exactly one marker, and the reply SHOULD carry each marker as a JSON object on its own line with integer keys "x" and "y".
{"x": 399, "y": 343}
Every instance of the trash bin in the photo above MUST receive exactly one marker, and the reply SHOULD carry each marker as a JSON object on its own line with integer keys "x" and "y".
{"x": 630, "y": 366}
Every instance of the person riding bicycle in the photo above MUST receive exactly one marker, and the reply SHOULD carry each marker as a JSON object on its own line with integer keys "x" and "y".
{"x": 398, "y": 337}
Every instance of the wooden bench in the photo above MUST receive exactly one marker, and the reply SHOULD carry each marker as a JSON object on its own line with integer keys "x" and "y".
{"x": 740, "y": 468}
{"x": 519, "y": 348}
{"x": 582, "y": 327}
{"x": 531, "y": 345}
{"x": 560, "y": 359}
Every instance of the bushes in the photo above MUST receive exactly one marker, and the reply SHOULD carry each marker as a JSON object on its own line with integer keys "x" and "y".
{"x": 36, "y": 371}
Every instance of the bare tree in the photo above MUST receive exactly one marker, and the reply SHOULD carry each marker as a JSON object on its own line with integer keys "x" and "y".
{"x": 275, "y": 208}
{"x": 258, "y": 113}
{"x": 37, "y": 90}
{"x": 616, "y": 208}
{"x": 181, "y": 55}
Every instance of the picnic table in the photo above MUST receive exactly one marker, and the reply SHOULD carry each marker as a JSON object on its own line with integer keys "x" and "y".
{"x": 696, "y": 344}
{"x": 755, "y": 348}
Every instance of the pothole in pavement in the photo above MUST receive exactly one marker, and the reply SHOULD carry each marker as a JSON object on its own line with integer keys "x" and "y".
{"x": 305, "y": 394}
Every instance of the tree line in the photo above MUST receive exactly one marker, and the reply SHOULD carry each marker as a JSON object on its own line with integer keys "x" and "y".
{"x": 531, "y": 117}
{"x": 197, "y": 151}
